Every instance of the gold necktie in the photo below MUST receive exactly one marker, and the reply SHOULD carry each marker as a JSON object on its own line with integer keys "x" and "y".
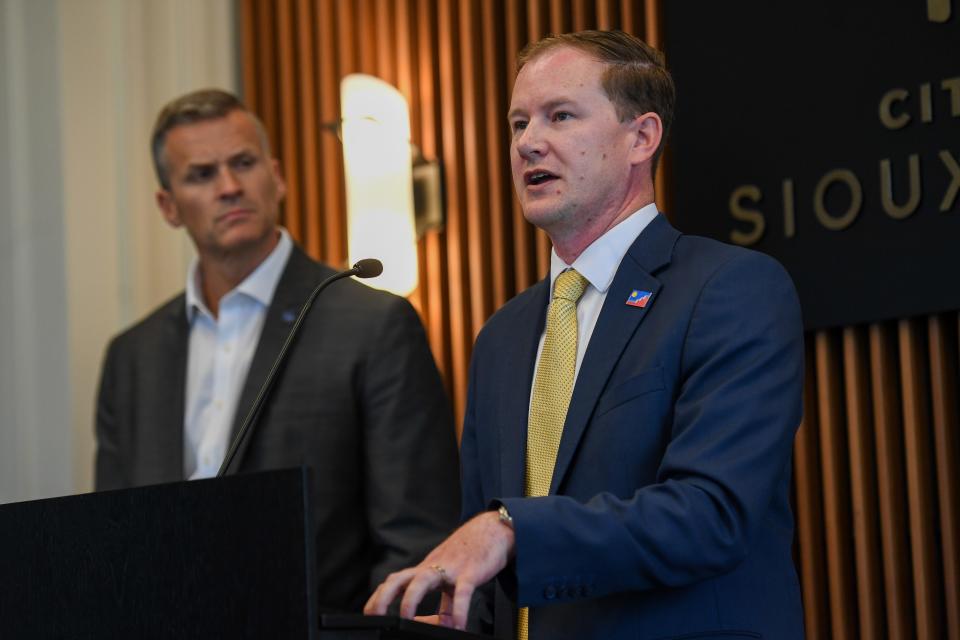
{"x": 552, "y": 389}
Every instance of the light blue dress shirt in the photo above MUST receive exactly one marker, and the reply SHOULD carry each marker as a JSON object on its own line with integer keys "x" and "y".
{"x": 220, "y": 352}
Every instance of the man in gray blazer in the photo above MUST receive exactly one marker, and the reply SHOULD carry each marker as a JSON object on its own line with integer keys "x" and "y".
{"x": 360, "y": 401}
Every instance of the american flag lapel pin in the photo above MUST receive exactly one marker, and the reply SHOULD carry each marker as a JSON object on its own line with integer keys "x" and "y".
{"x": 639, "y": 298}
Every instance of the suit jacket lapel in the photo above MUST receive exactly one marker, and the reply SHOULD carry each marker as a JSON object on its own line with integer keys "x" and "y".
{"x": 518, "y": 382}
{"x": 170, "y": 396}
{"x": 292, "y": 290}
{"x": 615, "y": 327}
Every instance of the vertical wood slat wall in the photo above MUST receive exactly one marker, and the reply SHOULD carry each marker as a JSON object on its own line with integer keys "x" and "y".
{"x": 877, "y": 481}
{"x": 877, "y": 458}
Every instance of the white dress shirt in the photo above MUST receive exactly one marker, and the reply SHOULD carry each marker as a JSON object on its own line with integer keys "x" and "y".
{"x": 219, "y": 356}
{"x": 598, "y": 264}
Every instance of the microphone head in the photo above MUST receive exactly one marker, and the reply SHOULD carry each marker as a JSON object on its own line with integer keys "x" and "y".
{"x": 368, "y": 268}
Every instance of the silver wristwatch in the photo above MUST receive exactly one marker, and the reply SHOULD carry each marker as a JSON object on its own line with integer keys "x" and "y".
{"x": 505, "y": 517}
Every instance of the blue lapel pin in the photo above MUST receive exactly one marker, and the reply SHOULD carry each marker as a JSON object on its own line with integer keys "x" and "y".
{"x": 639, "y": 298}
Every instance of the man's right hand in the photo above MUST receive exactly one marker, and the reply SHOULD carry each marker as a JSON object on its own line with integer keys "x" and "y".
{"x": 470, "y": 557}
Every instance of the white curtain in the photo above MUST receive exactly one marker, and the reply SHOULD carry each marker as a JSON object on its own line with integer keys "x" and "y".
{"x": 83, "y": 252}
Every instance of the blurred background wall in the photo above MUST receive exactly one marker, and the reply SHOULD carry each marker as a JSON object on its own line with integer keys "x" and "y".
{"x": 83, "y": 251}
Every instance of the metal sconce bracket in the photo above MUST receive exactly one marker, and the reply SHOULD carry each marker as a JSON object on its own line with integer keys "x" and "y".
{"x": 428, "y": 194}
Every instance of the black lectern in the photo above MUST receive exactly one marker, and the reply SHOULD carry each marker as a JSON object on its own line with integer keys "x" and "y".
{"x": 348, "y": 626}
{"x": 219, "y": 558}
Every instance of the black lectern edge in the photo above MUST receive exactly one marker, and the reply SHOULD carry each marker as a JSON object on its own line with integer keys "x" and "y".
{"x": 393, "y": 624}
{"x": 167, "y": 560}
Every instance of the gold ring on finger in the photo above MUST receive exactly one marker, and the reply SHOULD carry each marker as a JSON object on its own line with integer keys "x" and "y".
{"x": 441, "y": 572}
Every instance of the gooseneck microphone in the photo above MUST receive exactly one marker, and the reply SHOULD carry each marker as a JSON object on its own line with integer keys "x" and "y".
{"x": 366, "y": 268}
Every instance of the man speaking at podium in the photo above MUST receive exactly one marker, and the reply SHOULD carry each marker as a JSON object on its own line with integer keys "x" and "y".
{"x": 359, "y": 402}
{"x": 627, "y": 443}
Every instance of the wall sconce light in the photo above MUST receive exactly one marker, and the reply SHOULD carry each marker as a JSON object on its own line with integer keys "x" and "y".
{"x": 385, "y": 178}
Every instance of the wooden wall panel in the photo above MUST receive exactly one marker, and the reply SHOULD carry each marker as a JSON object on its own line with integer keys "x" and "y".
{"x": 331, "y": 245}
{"x": 433, "y": 272}
{"x": 289, "y": 148}
{"x": 946, "y": 431}
{"x": 559, "y": 18}
{"x": 365, "y": 24}
{"x": 249, "y": 58}
{"x": 263, "y": 101}
{"x": 877, "y": 458}
{"x": 812, "y": 561}
{"x": 499, "y": 207}
{"x": 451, "y": 108}
{"x": 863, "y": 494}
{"x": 607, "y": 14}
{"x": 632, "y": 18}
{"x": 525, "y": 260}
{"x": 407, "y": 81}
{"x": 920, "y": 483}
{"x": 836, "y": 492}
{"x": 385, "y": 38}
{"x": 477, "y": 182}
{"x": 307, "y": 128}
{"x": 891, "y": 482}
{"x": 581, "y": 14}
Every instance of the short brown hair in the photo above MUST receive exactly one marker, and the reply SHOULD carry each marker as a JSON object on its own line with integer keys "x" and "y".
{"x": 197, "y": 106}
{"x": 636, "y": 79}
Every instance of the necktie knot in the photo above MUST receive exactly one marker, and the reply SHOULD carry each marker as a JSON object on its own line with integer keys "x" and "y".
{"x": 570, "y": 285}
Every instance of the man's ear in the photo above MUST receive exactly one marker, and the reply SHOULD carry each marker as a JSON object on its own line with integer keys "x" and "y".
{"x": 278, "y": 178}
{"x": 168, "y": 208}
{"x": 648, "y": 131}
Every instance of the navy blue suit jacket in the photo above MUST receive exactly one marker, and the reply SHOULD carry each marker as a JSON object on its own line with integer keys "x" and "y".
{"x": 669, "y": 511}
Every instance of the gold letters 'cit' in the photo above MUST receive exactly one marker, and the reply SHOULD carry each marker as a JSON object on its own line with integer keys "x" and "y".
{"x": 897, "y": 107}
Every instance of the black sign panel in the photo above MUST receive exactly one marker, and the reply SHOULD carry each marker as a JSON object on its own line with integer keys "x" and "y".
{"x": 826, "y": 134}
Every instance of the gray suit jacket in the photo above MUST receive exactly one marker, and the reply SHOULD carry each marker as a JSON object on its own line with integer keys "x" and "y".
{"x": 360, "y": 402}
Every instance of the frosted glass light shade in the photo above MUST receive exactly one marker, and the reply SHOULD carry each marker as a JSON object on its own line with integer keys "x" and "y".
{"x": 377, "y": 163}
